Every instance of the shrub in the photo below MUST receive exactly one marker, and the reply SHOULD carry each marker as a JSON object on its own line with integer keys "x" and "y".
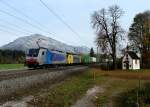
{"x": 129, "y": 98}
{"x": 106, "y": 66}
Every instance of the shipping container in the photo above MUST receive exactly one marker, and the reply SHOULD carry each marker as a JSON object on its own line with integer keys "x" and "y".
{"x": 93, "y": 59}
{"x": 85, "y": 59}
{"x": 69, "y": 59}
{"x": 76, "y": 59}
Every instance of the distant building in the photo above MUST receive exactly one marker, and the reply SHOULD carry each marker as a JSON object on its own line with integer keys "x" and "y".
{"x": 130, "y": 61}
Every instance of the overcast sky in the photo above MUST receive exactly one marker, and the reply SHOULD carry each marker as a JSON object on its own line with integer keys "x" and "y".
{"x": 76, "y": 13}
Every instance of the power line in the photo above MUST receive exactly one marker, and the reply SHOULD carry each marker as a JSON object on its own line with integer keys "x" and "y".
{"x": 27, "y": 17}
{"x": 23, "y": 14}
{"x": 13, "y": 29}
{"x": 23, "y": 20}
{"x": 15, "y": 25}
{"x": 59, "y": 18}
{"x": 6, "y": 31}
{"x": 18, "y": 27}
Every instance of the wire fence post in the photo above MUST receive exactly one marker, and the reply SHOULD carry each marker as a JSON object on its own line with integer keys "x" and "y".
{"x": 138, "y": 90}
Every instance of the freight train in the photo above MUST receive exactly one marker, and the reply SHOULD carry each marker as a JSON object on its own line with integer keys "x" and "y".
{"x": 43, "y": 57}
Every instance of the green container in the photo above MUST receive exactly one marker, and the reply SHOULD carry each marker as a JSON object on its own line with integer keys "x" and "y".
{"x": 85, "y": 59}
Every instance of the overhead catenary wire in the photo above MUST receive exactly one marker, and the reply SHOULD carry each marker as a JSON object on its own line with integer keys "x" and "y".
{"x": 13, "y": 29}
{"x": 6, "y": 31}
{"x": 30, "y": 19}
{"x": 22, "y": 20}
{"x": 59, "y": 18}
{"x": 16, "y": 26}
{"x": 26, "y": 16}
{"x": 41, "y": 26}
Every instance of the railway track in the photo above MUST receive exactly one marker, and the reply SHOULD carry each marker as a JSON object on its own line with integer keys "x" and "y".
{"x": 5, "y": 75}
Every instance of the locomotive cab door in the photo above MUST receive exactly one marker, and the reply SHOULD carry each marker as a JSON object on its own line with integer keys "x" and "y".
{"x": 42, "y": 56}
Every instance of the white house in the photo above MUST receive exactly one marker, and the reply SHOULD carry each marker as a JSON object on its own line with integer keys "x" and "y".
{"x": 130, "y": 61}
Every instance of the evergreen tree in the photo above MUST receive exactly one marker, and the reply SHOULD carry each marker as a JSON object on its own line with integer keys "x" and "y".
{"x": 139, "y": 35}
{"x": 11, "y": 56}
{"x": 92, "y": 52}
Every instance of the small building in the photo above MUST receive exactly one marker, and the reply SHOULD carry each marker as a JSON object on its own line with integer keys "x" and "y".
{"x": 130, "y": 61}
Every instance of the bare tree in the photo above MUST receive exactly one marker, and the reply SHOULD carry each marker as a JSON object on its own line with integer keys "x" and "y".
{"x": 106, "y": 23}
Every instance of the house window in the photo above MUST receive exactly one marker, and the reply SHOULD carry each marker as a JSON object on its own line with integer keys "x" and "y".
{"x": 124, "y": 65}
{"x": 135, "y": 61}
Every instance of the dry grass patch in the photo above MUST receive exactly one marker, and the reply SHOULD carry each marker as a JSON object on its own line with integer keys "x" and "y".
{"x": 118, "y": 81}
{"x": 124, "y": 74}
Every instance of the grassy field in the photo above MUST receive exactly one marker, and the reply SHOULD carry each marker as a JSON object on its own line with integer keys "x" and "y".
{"x": 66, "y": 93}
{"x": 11, "y": 66}
{"x": 75, "y": 87}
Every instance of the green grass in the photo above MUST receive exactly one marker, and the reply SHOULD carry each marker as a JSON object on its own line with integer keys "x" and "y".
{"x": 11, "y": 66}
{"x": 68, "y": 92}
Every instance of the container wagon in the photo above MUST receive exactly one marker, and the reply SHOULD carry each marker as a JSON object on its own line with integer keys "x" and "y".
{"x": 85, "y": 59}
{"x": 76, "y": 59}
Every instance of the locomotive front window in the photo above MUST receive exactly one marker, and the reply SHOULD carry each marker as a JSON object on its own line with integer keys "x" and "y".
{"x": 43, "y": 53}
{"x": 33, "y": 52}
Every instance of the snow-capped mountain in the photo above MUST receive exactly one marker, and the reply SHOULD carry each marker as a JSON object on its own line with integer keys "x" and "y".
{"x": 27, "y": 42}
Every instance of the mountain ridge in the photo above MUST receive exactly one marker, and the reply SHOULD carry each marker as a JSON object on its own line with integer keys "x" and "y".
{"x": 27, "y": 42}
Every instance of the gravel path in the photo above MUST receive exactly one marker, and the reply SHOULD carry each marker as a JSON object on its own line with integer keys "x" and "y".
{"x": 20, "y": 103}
{"x": 86, "y": 101}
